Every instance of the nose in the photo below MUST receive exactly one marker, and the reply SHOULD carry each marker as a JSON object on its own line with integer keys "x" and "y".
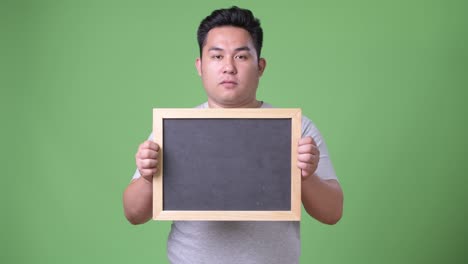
{"x": 229, "y": 67}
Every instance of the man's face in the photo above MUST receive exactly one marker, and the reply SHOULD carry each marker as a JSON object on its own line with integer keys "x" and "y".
{"x": 229, "y": 67}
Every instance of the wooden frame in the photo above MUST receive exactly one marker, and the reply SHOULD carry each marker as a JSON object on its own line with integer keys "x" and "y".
{"x": 251, "y": 113}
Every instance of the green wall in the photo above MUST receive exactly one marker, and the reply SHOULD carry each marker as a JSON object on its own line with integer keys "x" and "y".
{"x": 384, "y": 81}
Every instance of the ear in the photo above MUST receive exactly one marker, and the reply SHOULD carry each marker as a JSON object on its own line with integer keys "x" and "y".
{"x": 198, "y": 66}
{"x": 261, "y": 66}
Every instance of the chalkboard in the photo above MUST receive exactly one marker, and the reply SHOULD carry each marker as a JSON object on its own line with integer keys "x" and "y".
{"x": 227, "y": 164}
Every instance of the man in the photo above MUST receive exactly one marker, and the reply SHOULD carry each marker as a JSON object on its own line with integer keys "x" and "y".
{"x": 230, "y": 66}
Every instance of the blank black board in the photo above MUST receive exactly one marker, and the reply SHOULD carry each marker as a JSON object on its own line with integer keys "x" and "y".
{"x": 227, "y": 164}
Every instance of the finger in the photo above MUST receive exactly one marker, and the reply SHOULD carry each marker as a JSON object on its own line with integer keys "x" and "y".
{"x": 307, "y": 140}
{"x": 148, "y": 144}
{"x": 306, "y": 169}
{"x": 147, "y": 172}
{"x": 307, "y": 158}
{"x": 306, "y": 166}
{"x": 309, "y": 148}
{"x": 147, "y": 163}
{"x": 147, "y": 154}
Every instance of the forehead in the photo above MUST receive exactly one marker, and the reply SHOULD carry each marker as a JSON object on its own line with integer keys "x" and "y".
{"x": 226, "y": 37}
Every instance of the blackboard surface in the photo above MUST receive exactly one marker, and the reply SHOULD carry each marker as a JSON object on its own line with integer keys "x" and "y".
{"x": 227, "y": 164}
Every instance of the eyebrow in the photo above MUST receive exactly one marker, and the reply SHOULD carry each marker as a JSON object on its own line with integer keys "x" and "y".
{"x": 237, "y": 49}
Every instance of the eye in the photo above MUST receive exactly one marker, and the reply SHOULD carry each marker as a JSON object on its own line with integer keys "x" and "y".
{"x": 241, "y": 57}
{"x": 217, "y": 57}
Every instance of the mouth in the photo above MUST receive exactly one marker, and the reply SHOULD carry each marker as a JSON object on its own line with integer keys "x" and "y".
{"x": 228, "y": 83}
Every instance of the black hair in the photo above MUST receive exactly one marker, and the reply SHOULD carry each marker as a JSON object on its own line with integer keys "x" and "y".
{"x": 234, "y": 16}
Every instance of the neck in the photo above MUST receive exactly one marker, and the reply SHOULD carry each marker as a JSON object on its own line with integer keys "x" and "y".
{"x": 252, "y": 104}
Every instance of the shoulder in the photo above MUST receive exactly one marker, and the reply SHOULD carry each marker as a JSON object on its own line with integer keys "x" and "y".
{"x": 308, "y": 126}
{"x": 204, "y": 105}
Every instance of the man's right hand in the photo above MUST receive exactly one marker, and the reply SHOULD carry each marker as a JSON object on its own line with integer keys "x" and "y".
{"x": 147, "y": 158}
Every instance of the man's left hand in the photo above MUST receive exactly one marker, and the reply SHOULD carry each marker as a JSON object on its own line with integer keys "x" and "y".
{"x": 308, "y": 156}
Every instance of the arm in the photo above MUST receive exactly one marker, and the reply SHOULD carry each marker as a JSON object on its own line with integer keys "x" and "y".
{"x": 322, "y": 199}
{"x": 138, "y": 196}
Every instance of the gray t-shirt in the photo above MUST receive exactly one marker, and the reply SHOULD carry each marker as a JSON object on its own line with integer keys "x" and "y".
{"x": 243, "y": 241}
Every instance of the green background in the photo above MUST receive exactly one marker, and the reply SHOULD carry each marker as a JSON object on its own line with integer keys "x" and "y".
{"x": 384, "y": 81}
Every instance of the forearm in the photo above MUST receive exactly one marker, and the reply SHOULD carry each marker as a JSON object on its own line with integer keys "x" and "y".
{"x": 322, "y": 199}
{"x": 138, "y": 201}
